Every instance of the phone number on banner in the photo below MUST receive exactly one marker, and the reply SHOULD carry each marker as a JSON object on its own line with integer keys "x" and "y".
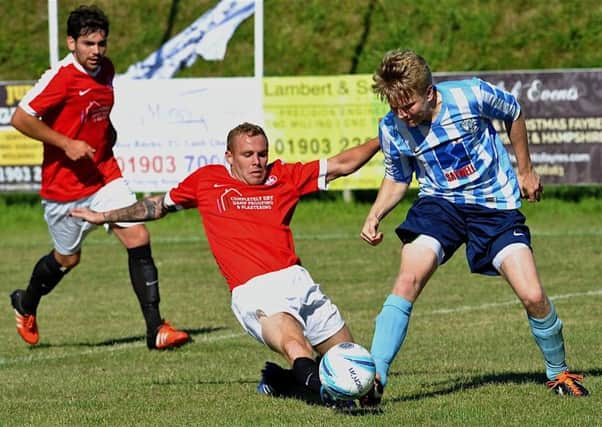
{"x": 314, "y": 146}
{"x": 20, "y": 174}
{"x": 169, "y": 164}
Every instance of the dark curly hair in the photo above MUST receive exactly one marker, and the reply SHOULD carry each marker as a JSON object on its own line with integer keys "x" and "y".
{"x": 85, "y": 20}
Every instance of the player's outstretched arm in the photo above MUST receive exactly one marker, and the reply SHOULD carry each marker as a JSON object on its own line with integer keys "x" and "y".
{"x": 147, "y": 209}
{"x": 528, "y": 180}
{"x": 389, "y": 194}
{"x": 350, "y": 160}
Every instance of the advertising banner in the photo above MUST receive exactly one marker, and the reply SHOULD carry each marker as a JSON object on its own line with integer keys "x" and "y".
{"x": 309, "y": 118}
{"x": 563, "y": 111}
{"x": 20, "y": 156}
{"x": 168, "y": 128}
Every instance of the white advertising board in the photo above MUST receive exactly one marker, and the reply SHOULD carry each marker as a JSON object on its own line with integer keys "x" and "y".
{"x": 168, "y": 128}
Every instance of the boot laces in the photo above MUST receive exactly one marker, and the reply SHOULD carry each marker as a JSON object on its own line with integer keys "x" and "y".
{"x": 568, "y": 380}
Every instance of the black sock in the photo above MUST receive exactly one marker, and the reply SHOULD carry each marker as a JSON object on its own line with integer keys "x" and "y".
{"x": 306, "y": 373}
{"x": 145, "y": 281}
{"x": 284, "y": 384}
{"x": 46, "y": 274}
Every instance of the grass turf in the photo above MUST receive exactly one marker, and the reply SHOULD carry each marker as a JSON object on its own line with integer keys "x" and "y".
{"x": 469, "y": 358}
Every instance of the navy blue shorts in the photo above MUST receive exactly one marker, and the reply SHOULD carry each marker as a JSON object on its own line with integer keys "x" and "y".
{"x": 485, "y": 231}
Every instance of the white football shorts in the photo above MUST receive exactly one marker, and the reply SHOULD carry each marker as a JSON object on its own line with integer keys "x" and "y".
{"x": 67, "y": 232}
{"x": 293, "y": 291}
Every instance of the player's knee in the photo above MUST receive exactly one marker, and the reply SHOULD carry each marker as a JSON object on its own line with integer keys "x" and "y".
{"x": 536, "y": 303}
{"x": 48, "y": 272}
{"x": 135, "y": 236}
{"x": 68, "y": 261}
{"x": 406, "y": 284}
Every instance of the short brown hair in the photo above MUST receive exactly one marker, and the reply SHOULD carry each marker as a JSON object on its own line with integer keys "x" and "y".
{"x": 248, "y": 129}
{"x": 401, "y": 75}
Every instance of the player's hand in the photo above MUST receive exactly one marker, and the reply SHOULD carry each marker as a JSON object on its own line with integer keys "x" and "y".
{"x": 88, "y": 215}
{"x": 530, "y": 186}
{"x": 370, "y": 233}
{"x": 77, "y": 150}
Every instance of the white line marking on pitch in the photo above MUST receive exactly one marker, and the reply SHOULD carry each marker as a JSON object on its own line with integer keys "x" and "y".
{"x": 103, "y": 349}
{"x": 127, "y": 346}
{"x": 505, "y": 303}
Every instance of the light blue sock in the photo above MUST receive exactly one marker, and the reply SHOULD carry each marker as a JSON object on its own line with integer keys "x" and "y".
{"x": 389, "y": 333}
{"x": 548, "y": 336}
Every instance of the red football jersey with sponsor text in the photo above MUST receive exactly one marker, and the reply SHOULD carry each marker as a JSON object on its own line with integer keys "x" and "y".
{"x": 247, "y": 226}
{"x": 77, "y": 104}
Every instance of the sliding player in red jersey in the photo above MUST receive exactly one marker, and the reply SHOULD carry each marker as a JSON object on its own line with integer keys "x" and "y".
{"x": 68, "y": 111}
{"x": 246, "y": 208}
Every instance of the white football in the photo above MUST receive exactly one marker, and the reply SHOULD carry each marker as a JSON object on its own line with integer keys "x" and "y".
{"x": 347, "y": 371}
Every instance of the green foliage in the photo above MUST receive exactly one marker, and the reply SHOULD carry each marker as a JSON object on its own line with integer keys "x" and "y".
{"x": 317, "y": 37}
{"x": 469, "y": 357}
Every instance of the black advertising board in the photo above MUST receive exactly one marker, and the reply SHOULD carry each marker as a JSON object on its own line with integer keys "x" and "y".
{"x": 563, "y": 111}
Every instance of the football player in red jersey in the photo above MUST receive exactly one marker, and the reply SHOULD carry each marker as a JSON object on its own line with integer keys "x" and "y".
{"x": 246, "y": 208}
{"x": 68, "y": 111}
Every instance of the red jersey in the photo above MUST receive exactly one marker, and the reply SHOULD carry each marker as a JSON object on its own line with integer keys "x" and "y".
{"x": 77, "y": 104}
{"x": 247, "y": 226}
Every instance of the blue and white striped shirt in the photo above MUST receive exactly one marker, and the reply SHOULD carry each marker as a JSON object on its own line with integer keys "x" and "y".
{"x": 459, "y": 156}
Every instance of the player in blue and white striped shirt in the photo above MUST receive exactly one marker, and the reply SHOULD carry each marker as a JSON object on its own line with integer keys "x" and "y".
{"x": 468, "y": 193}
{"x": 457, "y": 156}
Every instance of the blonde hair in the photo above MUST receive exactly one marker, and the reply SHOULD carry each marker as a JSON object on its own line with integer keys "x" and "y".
{"x": 246, "y": 128}
{"x": 401, "y": 75}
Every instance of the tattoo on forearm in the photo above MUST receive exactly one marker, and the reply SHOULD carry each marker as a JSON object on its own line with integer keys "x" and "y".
{"x": 151, "y": 209}
{"x": 143, "y": 210}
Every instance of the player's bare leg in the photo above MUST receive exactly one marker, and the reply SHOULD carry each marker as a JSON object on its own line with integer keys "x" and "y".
{"x": 343, "y": 335}
{"x": 284, "y": 334}
{"x": 518, "y": 268}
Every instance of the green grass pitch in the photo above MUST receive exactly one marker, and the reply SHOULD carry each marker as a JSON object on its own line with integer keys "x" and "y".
{"x": 469, "y": 358}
